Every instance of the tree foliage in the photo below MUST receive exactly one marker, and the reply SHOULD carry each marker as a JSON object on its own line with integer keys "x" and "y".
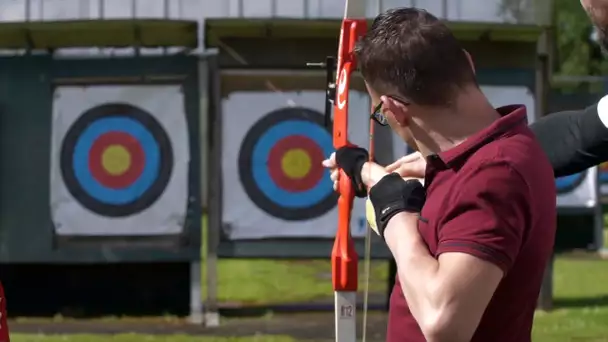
{"x": 576, "y": 53}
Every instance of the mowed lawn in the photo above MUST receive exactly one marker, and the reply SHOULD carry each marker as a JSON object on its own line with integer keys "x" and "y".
{"x": 145, "y": 338}
{"x": 581, "y": 299}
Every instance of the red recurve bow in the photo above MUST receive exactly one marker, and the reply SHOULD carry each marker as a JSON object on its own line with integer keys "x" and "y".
{"x": 343, "y": 255}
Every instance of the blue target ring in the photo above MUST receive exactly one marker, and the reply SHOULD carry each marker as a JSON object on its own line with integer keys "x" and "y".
{"x": 603, "y": 176}
{"x": 261, "y": 152}
{"x": 568, "y": 183}
{"x": 603, "y": 173}
{"x": 135, "y": 131}
{"x": 277, "y": 134}
{"x": 82, "y": 151}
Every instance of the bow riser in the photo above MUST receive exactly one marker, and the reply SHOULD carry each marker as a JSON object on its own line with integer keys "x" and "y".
{"x": 344, "y": 256}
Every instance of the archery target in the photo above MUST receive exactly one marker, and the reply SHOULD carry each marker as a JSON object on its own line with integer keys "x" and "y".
{"x": 603, "y": 179}
{"x": 280, "y": 164}
{"x": 567, "y": 184}
{"x": 604, "y": 172}
{"x": 119, "y": 160}
{"x": 273, "y": 183}
{"x": 578, "y": 190}
{"x": 116, "y": 160}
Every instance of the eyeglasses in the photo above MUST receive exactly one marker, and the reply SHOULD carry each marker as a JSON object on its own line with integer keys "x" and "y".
{"x": 378, "y": 116}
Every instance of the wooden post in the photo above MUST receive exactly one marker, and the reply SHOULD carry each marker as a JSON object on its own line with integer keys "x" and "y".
{"x": 214, "y": 194}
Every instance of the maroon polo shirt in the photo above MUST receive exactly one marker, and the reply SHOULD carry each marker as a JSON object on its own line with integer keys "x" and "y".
{"x": 493, "y": 197}
{"x": 3, "y": 325}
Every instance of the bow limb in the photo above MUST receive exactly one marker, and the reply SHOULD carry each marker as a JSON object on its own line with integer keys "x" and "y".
{"x": 344, "y": 256}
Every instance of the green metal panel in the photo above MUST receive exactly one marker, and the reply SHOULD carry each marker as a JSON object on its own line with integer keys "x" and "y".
{"x": 25, "y": 101}
{"x": 26, "y": 83}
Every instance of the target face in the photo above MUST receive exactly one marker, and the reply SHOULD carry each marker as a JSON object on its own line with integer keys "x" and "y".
{"x": 116, "y": 160}
{"x": 280, "y": 164}
{"x": 569, "y": 183}
{"x": 603, "y": 171}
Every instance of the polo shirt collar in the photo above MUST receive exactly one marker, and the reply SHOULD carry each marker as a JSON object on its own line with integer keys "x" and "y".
{"x": 512, "y": 116}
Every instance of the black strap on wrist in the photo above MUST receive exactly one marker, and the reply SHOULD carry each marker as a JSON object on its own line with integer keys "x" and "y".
{"x": 351, "y": 159}
{"x": 393, "y": 195}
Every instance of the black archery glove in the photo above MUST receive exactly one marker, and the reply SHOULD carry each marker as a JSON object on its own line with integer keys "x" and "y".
{"x": 393, "y": 195}
{"x": 351, "y": 160}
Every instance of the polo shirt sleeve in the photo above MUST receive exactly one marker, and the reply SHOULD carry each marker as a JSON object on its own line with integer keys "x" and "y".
{"x": 488, "y": 217}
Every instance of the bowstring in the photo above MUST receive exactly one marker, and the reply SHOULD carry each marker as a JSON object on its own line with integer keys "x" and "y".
{"x": 368, "y": 245}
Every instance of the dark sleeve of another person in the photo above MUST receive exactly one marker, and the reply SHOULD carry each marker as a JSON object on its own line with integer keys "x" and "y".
{"x": 573, "y": 140}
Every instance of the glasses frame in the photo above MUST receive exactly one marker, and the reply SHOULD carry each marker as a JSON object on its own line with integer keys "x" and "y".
{"x": 377, "y": 114}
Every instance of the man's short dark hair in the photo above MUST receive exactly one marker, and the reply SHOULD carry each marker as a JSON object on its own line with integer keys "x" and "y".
{"x": 410, "y": 53}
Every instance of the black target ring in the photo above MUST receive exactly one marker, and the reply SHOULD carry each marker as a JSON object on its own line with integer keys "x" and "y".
{"x": 274, "y": 129}
{"x": 567, "y": 184}
{"x": 156, "y": 171}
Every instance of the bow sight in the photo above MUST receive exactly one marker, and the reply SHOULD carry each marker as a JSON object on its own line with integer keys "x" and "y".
{"x": 330, "y": 86}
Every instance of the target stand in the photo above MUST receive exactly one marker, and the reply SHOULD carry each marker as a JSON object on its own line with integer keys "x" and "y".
{"x": 105, "y": 179}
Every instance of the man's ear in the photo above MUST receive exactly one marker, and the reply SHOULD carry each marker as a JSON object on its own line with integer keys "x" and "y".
{"x": 396, "y": 110}
{"x": 470, "y": 60}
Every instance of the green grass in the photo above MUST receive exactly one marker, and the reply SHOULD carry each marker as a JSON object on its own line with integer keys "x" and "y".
{"x": 284, "y": 281}
{"x": 581, "y": 299}
{"x": 144, "y": 338}
{"x": 272, "y": 281}
{"x": 580, "y": 291}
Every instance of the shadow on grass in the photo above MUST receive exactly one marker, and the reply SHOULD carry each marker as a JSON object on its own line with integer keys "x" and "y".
{"x": 581, "y": 302}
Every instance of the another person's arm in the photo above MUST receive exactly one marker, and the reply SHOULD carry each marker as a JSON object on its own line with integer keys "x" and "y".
{"x": 575, "y": 140}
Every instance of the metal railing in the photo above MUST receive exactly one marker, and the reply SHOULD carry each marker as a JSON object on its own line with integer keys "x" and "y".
{"x": 512, "y": 11}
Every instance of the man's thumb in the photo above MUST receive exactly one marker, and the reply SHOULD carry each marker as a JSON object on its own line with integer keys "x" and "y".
{"x": 394, "y": 166}
{"x": 410, "y": 158}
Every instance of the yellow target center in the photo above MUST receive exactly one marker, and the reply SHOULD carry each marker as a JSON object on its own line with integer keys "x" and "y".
{"x": 296, "y": 163}
{"x": 116, "y": 160}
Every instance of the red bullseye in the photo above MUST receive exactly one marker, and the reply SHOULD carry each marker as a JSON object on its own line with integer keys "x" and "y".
{"x": 276, "y": 169}
{"x": 134, "y": 168}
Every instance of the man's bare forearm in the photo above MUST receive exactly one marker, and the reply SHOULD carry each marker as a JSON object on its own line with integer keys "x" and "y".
{"x": 417, "y": 270}
{"x": 446, "y": 305}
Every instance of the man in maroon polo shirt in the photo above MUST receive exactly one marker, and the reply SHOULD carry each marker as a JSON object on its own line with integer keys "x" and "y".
{"x": 471, "y": 245}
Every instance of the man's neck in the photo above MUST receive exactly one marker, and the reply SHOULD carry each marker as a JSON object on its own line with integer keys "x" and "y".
{"x": 444, "y": 129}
